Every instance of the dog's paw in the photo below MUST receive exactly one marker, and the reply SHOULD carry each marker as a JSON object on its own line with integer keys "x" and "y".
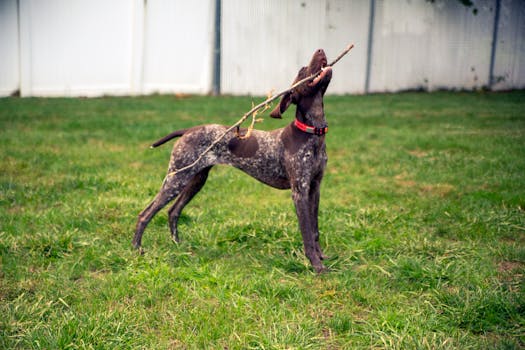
{"x": 320, "y": 269}
{"x": 175, "y": 239}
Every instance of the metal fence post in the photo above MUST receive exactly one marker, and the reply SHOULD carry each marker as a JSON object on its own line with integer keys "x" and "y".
{"x": 369, "y": 45}
{"x": 216, "y": 83}
{"x": 494, "y": 44}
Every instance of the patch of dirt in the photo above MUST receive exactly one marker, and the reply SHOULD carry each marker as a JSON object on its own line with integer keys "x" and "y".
{"x": 440, "y": 189}
{"x": 418, "y": 153}
{"x": 510, "y": 266}
{"x": 511, "y": 273}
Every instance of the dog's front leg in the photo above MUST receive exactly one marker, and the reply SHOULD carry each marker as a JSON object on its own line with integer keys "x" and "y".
{"x": 302, "y": 203}
{"x": 315, "y": 193}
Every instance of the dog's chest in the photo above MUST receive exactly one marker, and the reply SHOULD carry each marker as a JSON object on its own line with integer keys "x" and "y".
{"x": 312, "y": 154}
{"x": 307, "y": 162}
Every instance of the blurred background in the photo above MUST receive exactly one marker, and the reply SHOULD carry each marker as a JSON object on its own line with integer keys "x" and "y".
{"x": 134, "y": 47}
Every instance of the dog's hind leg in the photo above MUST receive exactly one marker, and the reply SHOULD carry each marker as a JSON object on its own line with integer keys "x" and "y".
{"x": 187, "y": 194}
{"x": 170, "y": 189}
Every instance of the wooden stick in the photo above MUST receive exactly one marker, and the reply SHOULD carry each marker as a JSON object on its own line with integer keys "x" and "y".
{"x": 345, "y": 51}
{"x": 256, "y": 108}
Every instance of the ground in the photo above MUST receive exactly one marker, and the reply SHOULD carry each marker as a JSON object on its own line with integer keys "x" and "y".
{"x": 422, "y": 215}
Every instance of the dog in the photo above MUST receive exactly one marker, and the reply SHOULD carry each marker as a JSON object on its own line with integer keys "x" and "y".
{"x": 293, "y": 157}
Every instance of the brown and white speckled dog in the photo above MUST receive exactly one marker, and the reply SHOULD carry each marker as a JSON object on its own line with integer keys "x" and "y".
{"x": 292, "y": 157}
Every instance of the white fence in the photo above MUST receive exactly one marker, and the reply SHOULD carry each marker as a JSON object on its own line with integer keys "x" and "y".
{"x": 96, "y": 47}
{"x": 79, "y": 47}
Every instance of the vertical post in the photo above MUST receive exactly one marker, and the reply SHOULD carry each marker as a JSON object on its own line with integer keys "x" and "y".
{"x": 371, "y": 21}
{"x": 216, "y": 83}
{"x": 18, "y": 92}
{"x": 144, "y": 46}
{"x": 140, "y": 30}
{"x": 494, "y": 44}
{"x": 25, "y": 56}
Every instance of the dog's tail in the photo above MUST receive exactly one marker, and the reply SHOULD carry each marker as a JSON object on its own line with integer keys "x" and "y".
{"x": 166, "y": 138}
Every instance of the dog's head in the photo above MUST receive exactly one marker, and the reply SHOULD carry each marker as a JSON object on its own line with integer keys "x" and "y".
{"x": 309, "y": 89}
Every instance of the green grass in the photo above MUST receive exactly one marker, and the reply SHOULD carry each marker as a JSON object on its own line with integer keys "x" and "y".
{"x": 422, "y": 214}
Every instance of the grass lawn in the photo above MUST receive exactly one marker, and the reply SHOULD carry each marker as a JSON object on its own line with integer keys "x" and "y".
{"x": 422, "y": 213}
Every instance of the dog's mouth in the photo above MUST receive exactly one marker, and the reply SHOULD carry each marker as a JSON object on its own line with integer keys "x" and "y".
{"x": 322, "y": 74}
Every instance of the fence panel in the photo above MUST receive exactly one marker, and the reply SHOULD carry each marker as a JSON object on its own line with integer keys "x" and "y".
{"x": 178, "y": 46}
{"x": 424, "y": 45}
{"x": 264, "y": 43}
{"x": 9, "y": 49}
{"x": 96, "y": 47}
{"x": 76, "y": 47}
{"x": 509, "y": 67}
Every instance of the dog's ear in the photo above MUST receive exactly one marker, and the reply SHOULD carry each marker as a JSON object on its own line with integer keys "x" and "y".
{"x": 283, "y": 105}
{"x": 287, "y": 98}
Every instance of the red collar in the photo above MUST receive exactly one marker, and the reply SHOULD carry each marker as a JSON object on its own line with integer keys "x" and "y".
{"x": 310, "y": 129}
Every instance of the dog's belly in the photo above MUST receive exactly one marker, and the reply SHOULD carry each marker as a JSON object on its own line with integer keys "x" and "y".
{"x": 266, "y": 172}
{"x": 260, "y": 156}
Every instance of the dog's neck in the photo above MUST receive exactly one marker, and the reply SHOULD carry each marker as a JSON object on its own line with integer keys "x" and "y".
{"x": 310, "y": 111}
